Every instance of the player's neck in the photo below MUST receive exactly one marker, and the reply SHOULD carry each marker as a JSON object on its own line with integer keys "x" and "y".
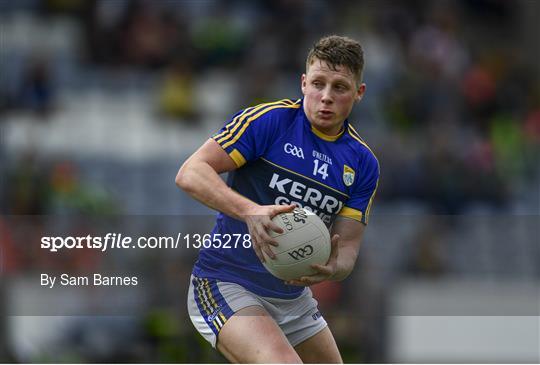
{"x": 329, "y": 135}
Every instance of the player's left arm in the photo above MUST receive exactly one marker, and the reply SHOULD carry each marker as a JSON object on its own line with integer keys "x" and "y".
{"x": 347, "y": 236}
{"x": 348, "y": 228}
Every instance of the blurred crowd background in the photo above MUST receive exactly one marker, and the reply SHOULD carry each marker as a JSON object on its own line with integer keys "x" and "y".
{"x": 101, "y": 101}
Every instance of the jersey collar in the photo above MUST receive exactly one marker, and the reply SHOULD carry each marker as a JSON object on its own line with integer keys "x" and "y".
{"x": 325, "y": 136}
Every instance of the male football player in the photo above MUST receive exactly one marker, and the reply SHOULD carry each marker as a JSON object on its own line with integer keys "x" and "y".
{"x": 280, "y": 155}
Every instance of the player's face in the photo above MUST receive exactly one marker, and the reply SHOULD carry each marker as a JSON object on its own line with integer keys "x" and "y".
{"x": 329, "y": 96}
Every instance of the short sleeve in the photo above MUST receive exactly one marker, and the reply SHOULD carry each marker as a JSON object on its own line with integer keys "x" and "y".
{"x": 248, "y": 134}
{"x": 358, "y": 206}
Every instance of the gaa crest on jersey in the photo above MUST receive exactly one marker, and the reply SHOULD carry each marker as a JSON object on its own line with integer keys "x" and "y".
{"x": 348, "y": 175}
{"x": 293, "y": 150}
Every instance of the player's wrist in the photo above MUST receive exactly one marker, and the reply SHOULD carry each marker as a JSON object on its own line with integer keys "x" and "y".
{"x": 341, "y": 273}
{"x": 247, "y": 210}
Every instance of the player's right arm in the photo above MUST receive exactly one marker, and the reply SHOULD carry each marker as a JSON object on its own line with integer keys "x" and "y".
{"x": 199, "y": 177}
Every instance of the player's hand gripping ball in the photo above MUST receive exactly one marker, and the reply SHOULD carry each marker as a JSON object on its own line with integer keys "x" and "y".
{"x": 305, "y": 241}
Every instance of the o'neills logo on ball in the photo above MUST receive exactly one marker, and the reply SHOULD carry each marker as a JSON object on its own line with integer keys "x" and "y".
{"x": 299, "y": 216}
{"x": 286, "y": 221}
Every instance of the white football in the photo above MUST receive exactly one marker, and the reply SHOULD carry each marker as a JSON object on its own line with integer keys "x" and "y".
{"x": 305, "y": 240}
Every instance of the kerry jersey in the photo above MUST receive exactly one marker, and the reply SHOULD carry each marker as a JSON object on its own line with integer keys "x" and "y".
{"x": 282, "y": 159}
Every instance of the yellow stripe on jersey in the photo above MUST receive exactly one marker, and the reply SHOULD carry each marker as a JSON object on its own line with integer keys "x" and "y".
{"x": 351, "y": 213}
{"x": 235, "y": 119}
{"x": 368, "y": 210}
{"x": 354, "y": 134}
{"x": 237, "y": 157}
{"x": 239, "y": 119}
{"x": 252, "y": 118}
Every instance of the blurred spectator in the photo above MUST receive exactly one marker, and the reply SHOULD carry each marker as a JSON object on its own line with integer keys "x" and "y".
{"x": 37, "y": 91}
{"x": 146, "y": 40}
{"x": 435, "y": 48}
{"x": 508, "y": 146}
{"x": 27, "y": 187}
{"x": 177, "y": 97}
{"x": 71, "y": 196}
{"x": 9, "y": 255}
{"x": 532, "y": 126}
{"x": 220, "y": 41}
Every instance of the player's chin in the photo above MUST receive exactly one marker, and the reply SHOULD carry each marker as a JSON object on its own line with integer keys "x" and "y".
{"x": 322, "y": 122}
{"x": 325, "y": 124}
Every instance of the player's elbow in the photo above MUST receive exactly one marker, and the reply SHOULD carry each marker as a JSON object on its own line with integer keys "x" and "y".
{"x": 183, "y": 180}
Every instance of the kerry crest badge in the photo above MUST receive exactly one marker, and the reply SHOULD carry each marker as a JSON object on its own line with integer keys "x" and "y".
{"x": 348, "y": 175}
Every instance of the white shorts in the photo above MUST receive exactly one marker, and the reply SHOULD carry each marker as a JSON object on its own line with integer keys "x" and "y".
{"x": 212, "y": 302}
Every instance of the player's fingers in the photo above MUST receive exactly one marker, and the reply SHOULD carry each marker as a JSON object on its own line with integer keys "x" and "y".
{"x": 282, "y": 209}
{"x": 313, "y": 279}
{"x": 255, "y": 239}
{"x": 295, "y": 283}
{"x": 259, "y": 233}
{"x": 301, "y": 282}
{"x": 307, "y": 280}
{"x": 268, "y": 252}
{"x": 292, "y": 207}
{"x": 266, "y": 238}
{"x": 274, "y": 227}
{"x": 334, "y": 250}
{"x": 327, "y": 270}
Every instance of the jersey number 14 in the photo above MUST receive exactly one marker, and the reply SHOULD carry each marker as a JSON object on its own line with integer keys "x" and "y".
{"x": 322, "y": 170}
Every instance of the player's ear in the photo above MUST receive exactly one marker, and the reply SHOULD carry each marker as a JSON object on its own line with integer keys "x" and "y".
{"x": 303, "y": 83}
{"x": 360, "y": 92}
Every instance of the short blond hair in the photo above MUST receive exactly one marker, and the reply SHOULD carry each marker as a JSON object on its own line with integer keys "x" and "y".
{"x": 336, "y": 51}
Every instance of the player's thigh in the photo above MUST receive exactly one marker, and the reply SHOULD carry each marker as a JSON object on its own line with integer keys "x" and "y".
{"x": 320, "y": 348}
{"x": 252, "y": 336}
